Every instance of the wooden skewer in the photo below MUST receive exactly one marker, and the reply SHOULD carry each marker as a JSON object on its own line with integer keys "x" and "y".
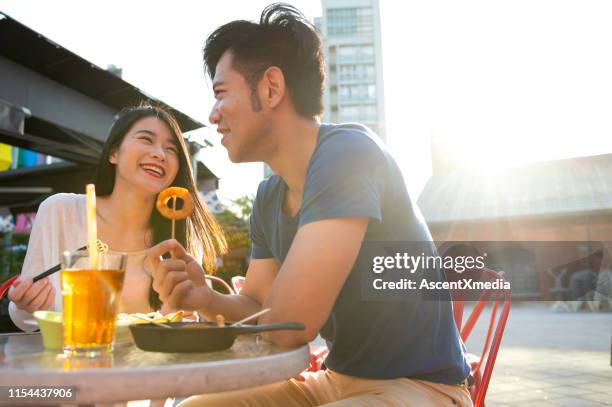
{"x": 173, "y": 220}
{"x": 250, "y": 317}
{"x": 146, "y": 318}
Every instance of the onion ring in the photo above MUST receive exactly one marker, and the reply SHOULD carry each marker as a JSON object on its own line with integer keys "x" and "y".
{"x": 174, "y": 192}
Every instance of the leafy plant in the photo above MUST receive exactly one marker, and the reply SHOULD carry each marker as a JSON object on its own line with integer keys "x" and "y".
{"x": 235, "y": 225}
{"x": 245, "y": 206}
{"x": 13, "y": 248}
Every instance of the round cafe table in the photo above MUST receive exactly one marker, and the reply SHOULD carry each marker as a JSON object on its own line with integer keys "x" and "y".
{"x": 129, "y": 373}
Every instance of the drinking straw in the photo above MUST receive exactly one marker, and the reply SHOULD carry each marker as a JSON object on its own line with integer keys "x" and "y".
{"x": 92, "y": 232}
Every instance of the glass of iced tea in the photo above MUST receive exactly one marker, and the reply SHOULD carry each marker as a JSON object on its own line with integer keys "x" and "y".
{"x": 91, "y": 298}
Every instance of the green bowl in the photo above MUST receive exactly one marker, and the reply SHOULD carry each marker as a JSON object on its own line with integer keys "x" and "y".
{"x": 51, "y": 328}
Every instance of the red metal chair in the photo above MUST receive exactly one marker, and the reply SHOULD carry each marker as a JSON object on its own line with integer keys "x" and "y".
{"x": 219, "y": 281}
{"x": 495, "y": 332}
{"x": 237, "y": 283}
{"x": 318, "y": 353}
{"x": 6, "y": 285}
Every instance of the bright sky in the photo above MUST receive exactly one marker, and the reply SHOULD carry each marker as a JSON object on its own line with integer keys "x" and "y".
{"x": 502, "y": 82}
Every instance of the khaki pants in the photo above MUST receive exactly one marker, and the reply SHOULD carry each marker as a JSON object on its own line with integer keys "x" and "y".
{"x": 338, "y": 390}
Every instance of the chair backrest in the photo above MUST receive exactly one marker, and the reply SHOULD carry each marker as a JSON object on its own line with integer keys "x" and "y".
{"x": 238, "y": 283}
{"x": 495, "y": 330}
{"x": 557, "y": 278}
{"x": 6, "y": 285}
{"x": 221, "y": 282}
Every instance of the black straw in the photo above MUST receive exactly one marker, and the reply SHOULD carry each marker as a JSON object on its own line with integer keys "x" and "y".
{"x": 52, "y": 270}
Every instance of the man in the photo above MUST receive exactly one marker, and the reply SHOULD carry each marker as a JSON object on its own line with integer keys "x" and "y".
{"x": 335, "y": 189}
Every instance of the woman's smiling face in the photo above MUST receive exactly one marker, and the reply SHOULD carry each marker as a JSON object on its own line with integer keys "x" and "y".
{"x": 148, "y": 156}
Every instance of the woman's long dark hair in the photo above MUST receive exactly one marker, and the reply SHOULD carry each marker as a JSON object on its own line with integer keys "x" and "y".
{"x": 200, "y": 233}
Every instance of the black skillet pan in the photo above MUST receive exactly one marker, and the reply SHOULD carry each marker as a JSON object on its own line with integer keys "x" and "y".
{"x": 197, "y": 336}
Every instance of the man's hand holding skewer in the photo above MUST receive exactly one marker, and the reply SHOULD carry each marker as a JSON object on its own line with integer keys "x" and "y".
{"x": 180, "y": 280}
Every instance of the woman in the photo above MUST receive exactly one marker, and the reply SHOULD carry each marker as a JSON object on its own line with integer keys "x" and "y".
{"x": 144, "y": 154}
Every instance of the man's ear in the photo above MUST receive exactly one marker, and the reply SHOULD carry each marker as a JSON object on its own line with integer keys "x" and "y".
{"x": 273, "y": 87}
{"x": 112, "y": 157}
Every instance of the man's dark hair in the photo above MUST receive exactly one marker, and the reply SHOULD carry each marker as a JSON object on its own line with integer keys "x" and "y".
{"x": 283, "y": 38}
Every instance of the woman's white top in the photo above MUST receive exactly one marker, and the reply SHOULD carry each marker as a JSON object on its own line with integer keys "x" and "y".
{"x": 60, "y": 225}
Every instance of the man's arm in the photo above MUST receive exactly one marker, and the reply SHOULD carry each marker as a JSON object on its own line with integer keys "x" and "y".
{"x": 259, "y": 278}
{"x": 303, "y": 289}
{"x": 180, "y": 283}
{"x": 306, "y": 287}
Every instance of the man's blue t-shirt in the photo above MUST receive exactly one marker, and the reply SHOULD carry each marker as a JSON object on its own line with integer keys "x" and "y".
{"x": 350, "y": 174}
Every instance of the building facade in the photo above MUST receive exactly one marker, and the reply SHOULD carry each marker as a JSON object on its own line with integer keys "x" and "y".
{"x": 540, "y": 223}
{"x": 353, "y": 54}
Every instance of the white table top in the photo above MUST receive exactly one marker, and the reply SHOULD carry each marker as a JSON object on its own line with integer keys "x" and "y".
{"x": 129, "y": 373}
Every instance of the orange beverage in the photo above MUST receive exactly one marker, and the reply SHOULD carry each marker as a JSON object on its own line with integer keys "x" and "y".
{"x": 91, "y": 300}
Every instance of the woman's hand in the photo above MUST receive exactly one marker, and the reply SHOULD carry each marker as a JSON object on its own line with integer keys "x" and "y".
{"x": 30, "y": 297}
{"x": 179, "y": 281}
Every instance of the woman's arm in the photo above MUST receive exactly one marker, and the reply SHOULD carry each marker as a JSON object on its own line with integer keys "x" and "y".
{"x": 27, "y": 297}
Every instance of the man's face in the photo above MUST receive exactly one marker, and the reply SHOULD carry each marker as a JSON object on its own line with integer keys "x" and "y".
{"x": 244, "y": 130}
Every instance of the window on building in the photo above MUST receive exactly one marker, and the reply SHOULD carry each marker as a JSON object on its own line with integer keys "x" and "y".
{"x": 358, "y": 92}
{"x": 371, "y": 91}
{"x": 364, "y": 20}
{"x": 370, "y": 111}
{"x": 344, "y": 71}
{"x": 347, "y": 52}
{"x": 367, "y": 50}
{"x": 345, "y": 92}
{"x": 349, "y": 112}
{"x": 357, "y": 71}
{"x": 349, "y": 21}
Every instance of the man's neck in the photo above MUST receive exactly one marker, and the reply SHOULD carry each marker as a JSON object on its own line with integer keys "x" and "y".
{"x": 297, "y": 139}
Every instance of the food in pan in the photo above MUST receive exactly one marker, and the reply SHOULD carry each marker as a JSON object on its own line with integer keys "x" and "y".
{"x": 156, "y": 316}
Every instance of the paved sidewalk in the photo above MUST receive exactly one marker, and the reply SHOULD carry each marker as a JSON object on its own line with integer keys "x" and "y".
{"x": 550, "y": 358}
